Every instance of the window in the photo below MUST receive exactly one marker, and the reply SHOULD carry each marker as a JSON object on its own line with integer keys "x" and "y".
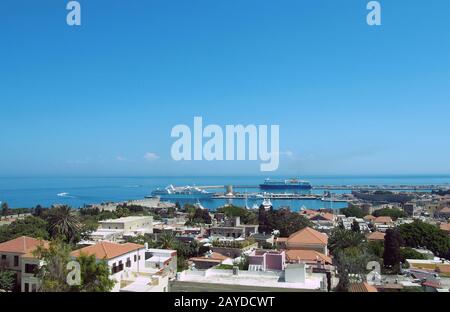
{"x": 33, "y": 287}
{"x": 16, "y": 261}
{"x": 3, "y": 257}
{"x": 135, "y": 258}
{"x": 31, "y": 268}
{"x": 128, "y": 263}
{"x": 27, "y": 287}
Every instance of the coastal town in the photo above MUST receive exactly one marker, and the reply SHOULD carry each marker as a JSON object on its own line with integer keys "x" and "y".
{"x": 384, "y": 240}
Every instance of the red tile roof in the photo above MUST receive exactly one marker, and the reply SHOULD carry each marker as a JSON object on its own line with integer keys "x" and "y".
{"x": 323, "y": 215}
{"x": 376, "y": 236}
{"x": 308, "y": 236}
{"x": 307, "y": 256}
{"x": 107, "y": 250}
{"x": 215, "y": 257}
{"x": 369, "y": 218}
{"x": 22, "y": 245}
{"x": 445, "y": 227}
{"x": 308, "y": 212}
{"x": 362, "y": 287}
{"x": 383, "y": 219}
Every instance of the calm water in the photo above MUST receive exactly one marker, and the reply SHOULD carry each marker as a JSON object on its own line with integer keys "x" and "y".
{"x": 28, "y": 192}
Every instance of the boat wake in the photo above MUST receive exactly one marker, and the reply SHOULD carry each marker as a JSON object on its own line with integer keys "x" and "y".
{"x": 66, "y": 195}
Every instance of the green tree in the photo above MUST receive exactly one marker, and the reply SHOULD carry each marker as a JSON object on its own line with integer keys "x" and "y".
{"x": 62, "y": 222}
{"x": 38, "y": 211}
{"x": 341, "y": 239}
{"x": 53, "y": 272}
{"x": 5, "y": 209}
{"x": 394, "y": 213}
{"x": 351, "y": 266}
{"x": 353, "y": 211}
{"x": 95, "y": 276}
{"x": 122, "y": 212}
{"x": 375, "y": 248}
{"x": 167, "y": 241}
{"x": 284, "y": 220}
{"x": 355, "y": 227}
{"x": 392, "y": 242}
{"x": 201, "y": 216}
{"x": 246, "y": 216}
{"x": 421, "y": 234}
{"x": 194, "y": 248}
{"x": 7, "y": 280}
{"x": 409, "y": 253}
{"x": 28, "y": 226}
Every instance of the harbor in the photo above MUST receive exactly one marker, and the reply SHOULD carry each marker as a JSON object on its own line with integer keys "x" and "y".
{"x": 427, "y": 187}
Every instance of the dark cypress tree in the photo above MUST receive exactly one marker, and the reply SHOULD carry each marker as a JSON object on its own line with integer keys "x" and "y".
{"x": 392, "y": 242}
{"x": 355, "y": 227}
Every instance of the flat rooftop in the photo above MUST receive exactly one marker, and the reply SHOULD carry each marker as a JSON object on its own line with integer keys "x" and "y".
{"x": 246, "y": 278}
{"x": 126, "y": 219}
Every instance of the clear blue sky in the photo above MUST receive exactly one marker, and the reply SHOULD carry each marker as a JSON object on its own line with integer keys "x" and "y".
{"x": 349, "y": 98}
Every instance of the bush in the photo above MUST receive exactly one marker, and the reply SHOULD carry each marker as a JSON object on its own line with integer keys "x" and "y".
{"x": 409, "y": 253}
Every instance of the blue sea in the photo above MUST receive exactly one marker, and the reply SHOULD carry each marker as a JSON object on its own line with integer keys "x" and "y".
{"x": 25, "y": 192}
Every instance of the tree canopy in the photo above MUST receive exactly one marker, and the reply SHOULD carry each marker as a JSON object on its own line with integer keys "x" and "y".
{"x": 95, "y": 276}
{"x": 246, "y": 216}
{"x": 284, "y": 220}
{"x": 62, "y": 222}
{"x": 7, "y": 280}
{"x": 394, "y": 213}
{"x": 421, "y": 234}
{"x": 353, "y": 211}
{"x": 29, "y": 226}
{"x": 341, "y": 239}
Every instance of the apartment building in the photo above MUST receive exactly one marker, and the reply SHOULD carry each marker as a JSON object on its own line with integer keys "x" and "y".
{"x": 129, "y": 225}
{"x": 134, "y": 267}
{"x": 17, "y": 255}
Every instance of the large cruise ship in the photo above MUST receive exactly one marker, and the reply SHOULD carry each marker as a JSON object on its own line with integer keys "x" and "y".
{"x": 184, "y": 192}
{"x": 285, "y": 184}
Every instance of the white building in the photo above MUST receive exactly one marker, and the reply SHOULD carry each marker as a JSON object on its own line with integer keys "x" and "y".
{"x": 17, "y": 255}
{"x": 133, "y": 267}
{"x": 296, "y": 277}
{"x": 131, "y": 226}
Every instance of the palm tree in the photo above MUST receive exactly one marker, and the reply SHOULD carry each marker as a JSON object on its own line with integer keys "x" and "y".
{"x": 62, "y": 222}
{"x": 194, "y": 248}
{"x": 5, "y": 210}
{"x": 341, "y": 239}
{"x": 166, "y": 241}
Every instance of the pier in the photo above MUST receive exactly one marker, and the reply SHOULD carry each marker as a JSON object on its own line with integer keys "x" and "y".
{"x": 349, "y": 187}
